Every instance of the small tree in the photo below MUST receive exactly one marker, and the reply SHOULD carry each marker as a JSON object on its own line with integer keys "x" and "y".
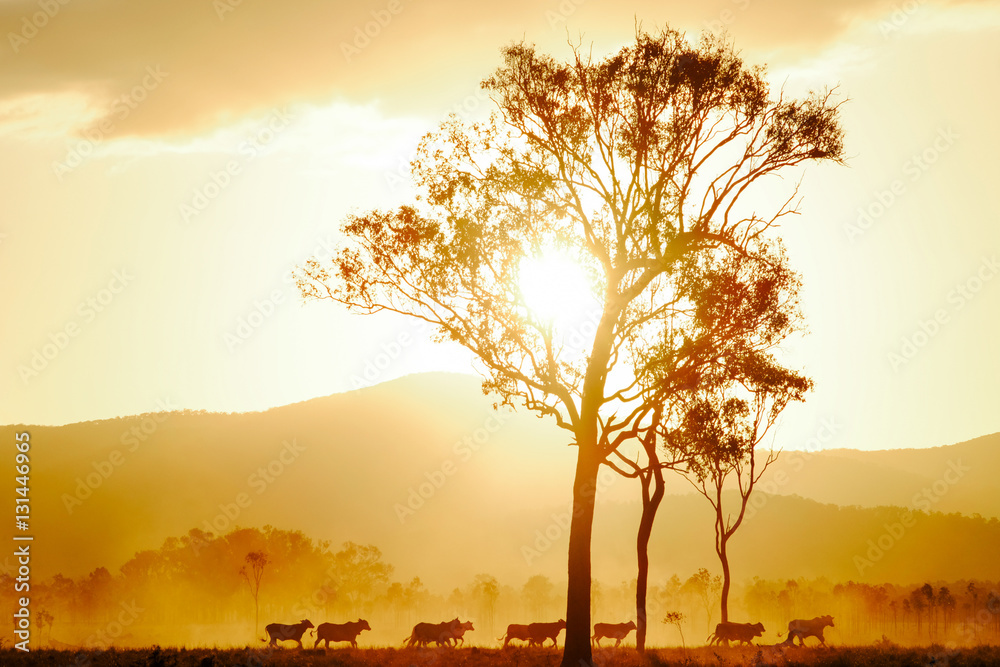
{"x": 256, "y": 561}
{"x": 928, "y": 592}
{"x": 705, "y": 588}
{"x": 45, "y": 620}
{"x": 744, "y": 310}
{"x": 357, "y": 573}
{"x": 947, "y": 603}
{"x": 486, "y": 590}
{"x": 675, "y": 618}
{"x": 720, "y": 422}
{"x": 538, "y": 592}
{"x": 917, "y": 602}
{"x": 973, "y": 592}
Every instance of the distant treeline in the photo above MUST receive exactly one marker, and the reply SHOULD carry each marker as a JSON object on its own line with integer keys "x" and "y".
{"x": 191, "y": 592}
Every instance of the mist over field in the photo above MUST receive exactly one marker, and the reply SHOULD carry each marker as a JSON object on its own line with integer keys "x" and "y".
{"x": 409, "y": 501}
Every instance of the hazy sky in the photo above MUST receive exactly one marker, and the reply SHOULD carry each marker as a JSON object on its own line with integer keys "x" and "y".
{"x": 165, "y": 164}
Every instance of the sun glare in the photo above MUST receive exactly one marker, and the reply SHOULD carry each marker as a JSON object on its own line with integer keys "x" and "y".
{"x": 556, "y": 290}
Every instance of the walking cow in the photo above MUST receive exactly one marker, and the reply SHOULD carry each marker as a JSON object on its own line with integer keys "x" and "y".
{"x": 439, "y": 633}
{"x": 534, "y": 633}
{"x": 616, "y": 631}
{"x": 740, "y": 632}
{"x": 281, "y": 632}
{"x": 458, "y": 632}
{"x": 340, "y": 632}
{"x": 812, "y": 628}
{"x": 540, "y": 632}
{"x": 518, "y": 632}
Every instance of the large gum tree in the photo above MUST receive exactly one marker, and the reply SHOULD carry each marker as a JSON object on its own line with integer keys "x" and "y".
{"x": 636, "y": 169}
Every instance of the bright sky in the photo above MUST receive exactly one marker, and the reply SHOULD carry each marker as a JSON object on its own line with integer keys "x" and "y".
{"x": 166, "y": 163}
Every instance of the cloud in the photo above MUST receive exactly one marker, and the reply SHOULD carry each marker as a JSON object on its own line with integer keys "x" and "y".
{"x": 225, "y": 60}
{"x": 222, "y": 65}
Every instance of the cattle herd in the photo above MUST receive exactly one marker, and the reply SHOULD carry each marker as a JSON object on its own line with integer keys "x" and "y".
{"x": 452, "y": 633}
{"x": 746, "y": 632}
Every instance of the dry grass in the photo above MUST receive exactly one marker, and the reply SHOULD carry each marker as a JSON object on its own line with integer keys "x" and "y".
{"x": 888, "y": 656}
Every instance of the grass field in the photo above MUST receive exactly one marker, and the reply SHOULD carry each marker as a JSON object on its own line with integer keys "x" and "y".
{"x": 890, "y": 656}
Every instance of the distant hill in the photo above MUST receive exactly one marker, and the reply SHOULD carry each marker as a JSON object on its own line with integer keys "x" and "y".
{"x": 954, "y": 478}
{"x": 423, "y": 468}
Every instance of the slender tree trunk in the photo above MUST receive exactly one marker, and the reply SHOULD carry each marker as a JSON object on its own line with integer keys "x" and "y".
{"x": 726, "y": 580}
{"x": 650, "y": 504}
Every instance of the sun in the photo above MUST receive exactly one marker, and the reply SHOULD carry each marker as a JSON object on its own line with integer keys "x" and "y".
{"x": 557, "y": 290}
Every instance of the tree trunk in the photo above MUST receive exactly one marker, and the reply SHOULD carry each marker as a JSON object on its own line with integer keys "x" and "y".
{"x": 726, "y": 581}
{"x": 577, "y": 651}
{"x": 650, "y": 504}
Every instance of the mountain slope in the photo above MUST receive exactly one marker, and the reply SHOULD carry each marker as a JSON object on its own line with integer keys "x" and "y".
{"x": 425, "y": 469}
{"x": 954, "y": 478}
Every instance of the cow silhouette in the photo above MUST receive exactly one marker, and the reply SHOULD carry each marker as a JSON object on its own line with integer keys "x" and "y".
{"x": 281, "y": 632}
{"x": 340, "y": 632}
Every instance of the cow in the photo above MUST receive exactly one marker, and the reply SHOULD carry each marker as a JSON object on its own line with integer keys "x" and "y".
{"x": 516, "y": 631}
{"x": 539, "y": 632}
{"x": 440, "y": 633}
{"x": 340, "y": 632}
{"x": 280, "y": 632}
{"x": 813, "y": 628}
{"x": 533, "y": 633}
{"x": 458, "y": 632}
{"x": 741, "y": 632}
{"x": 616, "y": 631}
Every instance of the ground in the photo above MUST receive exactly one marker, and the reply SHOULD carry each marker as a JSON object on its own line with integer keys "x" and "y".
{"x": 888, "y": 656}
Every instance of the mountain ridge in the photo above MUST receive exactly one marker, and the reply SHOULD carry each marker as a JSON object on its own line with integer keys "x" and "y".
{"x": 424, "y": 468}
